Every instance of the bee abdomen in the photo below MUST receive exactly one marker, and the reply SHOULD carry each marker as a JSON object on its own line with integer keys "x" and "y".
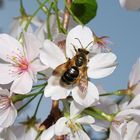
{"x": 70, "y": 75}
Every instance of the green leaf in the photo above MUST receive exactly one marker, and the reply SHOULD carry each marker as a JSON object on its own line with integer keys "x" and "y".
{"x": 84, "y": 10}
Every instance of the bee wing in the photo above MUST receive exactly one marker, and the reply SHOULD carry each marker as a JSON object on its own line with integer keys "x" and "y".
{"x": 83, "y": 82}
{"x": 61, "y": 68}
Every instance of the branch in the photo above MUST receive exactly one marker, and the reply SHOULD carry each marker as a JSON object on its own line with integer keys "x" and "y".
{"x": 66, "y": 15}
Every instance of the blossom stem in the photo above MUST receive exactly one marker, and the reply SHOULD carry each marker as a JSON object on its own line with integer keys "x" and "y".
{"x": 17, "y": 98}
{"x": 26, "y": 104}
{"x": 66, "y": 17}
{"x": 48, "y": 22}
{"x": 60, "y": 27}
{"x": 37, "y": 107}
{"x": 31, "y": 17}
{"x": 42, "y": 74}
{"x": 22, "y": 9}
{"x": 72, "y": 14}
{"x": 118, "y": 93}
{"x": 38, "y": 86}
{"x": 99, "y": 114}
{"x": 44, "y": 8}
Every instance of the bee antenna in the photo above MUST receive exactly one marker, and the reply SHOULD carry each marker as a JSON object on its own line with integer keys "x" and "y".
{"x": 79, "y": 42}
{"x": 74, "y": 47}
{"x": 88, "y": 45}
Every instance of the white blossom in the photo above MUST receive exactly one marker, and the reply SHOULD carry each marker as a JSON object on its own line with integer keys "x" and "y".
{"x": 18, "y": 25}
{"x": 8, "y": 112}
{"x": 22, "y": 63}
{"x": 130, "y": 4}
{"x": 99, "y": 66}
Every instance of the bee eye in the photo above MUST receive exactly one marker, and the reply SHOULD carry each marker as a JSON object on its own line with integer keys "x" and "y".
{"x": 79, "y": 50}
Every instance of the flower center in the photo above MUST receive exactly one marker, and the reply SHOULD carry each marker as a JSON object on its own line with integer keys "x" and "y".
{"x": 19, "y": 62}
{"x": 72, "y": 125}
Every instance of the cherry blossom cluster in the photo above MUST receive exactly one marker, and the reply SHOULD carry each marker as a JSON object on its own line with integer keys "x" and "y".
{"x": 34, "y": 61}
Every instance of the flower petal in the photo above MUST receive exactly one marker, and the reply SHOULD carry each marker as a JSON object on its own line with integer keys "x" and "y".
{"x": 5, "y": 73}
{"x": 9, "y": 135}
{"x": 54, "y": 90}
{"x": 84, "y": 35}
{"x": 22, "y": 84}
{"x": 48, "y": 134}
{"x": 41, "y": 33}
{"x": 75, "y": 108}
{"x": 32, "y": 45}
{"x": 101, "y": 65}
{"x": 133, "y": 129}
{"x": 30, "y": 134}
{"x": 37, "y": 66}
{"x": 86, "y": 120}
{"x": 4, "y": 92}
{"x": 80, "y": 135}
{"x": 135, "y": 113}
{"x": 135, "y": 102}
{"x": 9, "y": 46}
{"x": 36, "y": 21}
{"x": 52, "y": 55}
{"x": 92, "y": 95}
{"x": 3, "y": 116}
{"x": 130, "y": 5}
{"x": 11, "y": 116}
{"x": 98, "y": 128}
{"x": 60, "y": 127}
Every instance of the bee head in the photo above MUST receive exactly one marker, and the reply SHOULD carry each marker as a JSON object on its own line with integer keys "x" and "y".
{"x": 84, "y": 51}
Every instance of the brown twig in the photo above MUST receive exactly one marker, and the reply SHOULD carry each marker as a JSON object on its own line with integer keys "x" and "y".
{"x": 54, "y": 115}
{"x": 66, "y": 15}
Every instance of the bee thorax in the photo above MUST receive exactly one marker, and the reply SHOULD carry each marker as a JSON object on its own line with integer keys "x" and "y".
{"x": 80, "y": 59}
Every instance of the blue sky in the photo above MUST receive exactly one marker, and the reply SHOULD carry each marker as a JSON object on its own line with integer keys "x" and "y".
{"x": 121, "y": 25}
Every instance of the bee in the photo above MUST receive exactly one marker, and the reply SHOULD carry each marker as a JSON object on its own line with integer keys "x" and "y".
{"x": 74, "y": 71}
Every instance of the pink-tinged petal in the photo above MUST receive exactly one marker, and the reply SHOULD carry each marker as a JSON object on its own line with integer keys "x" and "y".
{"x": 9, "y": 135}
{"x": 32, "y": 45}
{"x": 134, "y": 76}
{"x": 130, "y": 5}
{"x": 135, "y": 103}
{"x": 52, "y": 55}
{"x": 37, "y": 66}
{"x": 61, "y": 127}
{"x": 22, "y": 84}
{"x": 54, "y": 90}
{"x": 30, "y": 134}
{"x": 75, "y": 108}
{"x": 134, "y": 113}
{"x": 114, "y": 134}
{"x": 86, "y": 120}
{"x": 133, "y": 130}
{"x": 11, "y": 116}
{"x": 84, "y": 35}
{"x": 91, "y": 98}
{"x": 101, "y": 65}
{"x": 15, "y": 28}
{"x": 41, "y": 32}
{"x": 48, "y": 134}
{"x": 37, "y": 21}
{"x": 136, "y": 91}
{"x": 9, "y": 46}
{"x": 3, "y": 116}
{"x": 98, "y": 128}
{"x": 1, "y": 129}
{"x": 80, "y": 135}
{"x": 5, "y": 73}
{"x": 4, "y": 92}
